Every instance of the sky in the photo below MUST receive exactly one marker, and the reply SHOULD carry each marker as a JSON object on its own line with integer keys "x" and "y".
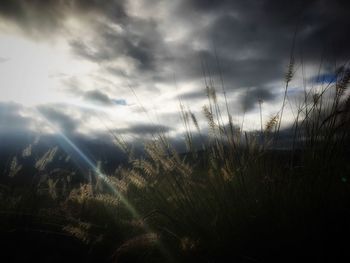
{"x": 88, "y": 67}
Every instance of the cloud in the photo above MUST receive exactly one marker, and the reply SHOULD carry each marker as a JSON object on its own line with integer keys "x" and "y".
{"x": 45, "y": 17}
{"x": 150, "y": 44}
{"x": 252, "y": 40}
{"x": 3, "y": 60}
{"x": 251, "y": 97}
{"x": 93, "y": 96}
{"x": 98, "y": 97}
{"x": 56, "y": 116}
{"x": 193, "y": 95}
{"x": 12, "y": 121}
{"x": 143, "y": 129}
{"x": 270, "y": 25}
{"x": 138, "y": 40}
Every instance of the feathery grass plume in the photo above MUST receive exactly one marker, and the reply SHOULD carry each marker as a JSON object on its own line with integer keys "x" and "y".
{"x": 67, "y": 159}
{"x": 226, "y": 175}
{"x": 81, "y": 194}
{"x": 121, "y": 185}
{"x": 27, "y": 151}
{"x": 120, "y": 142}
{"x": 147, "y": 167}
{"x": 156, "y": 151}
{"x": 80, "y": 231}
{"x": 290, "y": 72}
{"x": 212, "y": 95}
{"x": 344, "y": 81}
{"x": 233, "y": 132}
{"x": 260, "y": 101}
{"x": 288, "y": 77}
{"x": 108, "y": 200}
{"x": 46, "y": 159}
{"x": 195, "y": 121}
{"x": 52, "y": 188}
{"x": 271, "y": 124}
{"x": 15, "y": 167}
{"x": 136, "y": 179}
{"x": 185, "y": 117}
{"x": 209, "y": 116}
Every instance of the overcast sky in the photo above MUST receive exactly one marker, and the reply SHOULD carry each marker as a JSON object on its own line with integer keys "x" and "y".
{"x": 82, "y": 67}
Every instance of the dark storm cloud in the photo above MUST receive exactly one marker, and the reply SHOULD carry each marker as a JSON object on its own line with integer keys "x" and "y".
{"x": 193, "y": 95}
{"x": 238, "y": 72}
{"x": 58, "y": 118}
{"x": 45, "y": 16}
{"x": 251, "y": 97}
{"x": 11, "y": 119}
{"x": 138, "y": 39}
{"x": 144, "y": 129}
{"x": 247, "y": 42}
{"x": 252, "y": 40}
{"x": 271, "y": 24}
{"x": 98, "y": 97}
{"x": 74, "y": 87}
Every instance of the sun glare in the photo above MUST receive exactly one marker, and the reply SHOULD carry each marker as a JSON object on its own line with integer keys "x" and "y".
{"x": 32, "y": 72}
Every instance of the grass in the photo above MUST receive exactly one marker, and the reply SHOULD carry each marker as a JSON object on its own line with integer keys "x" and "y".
{"x": 237, "y": 197}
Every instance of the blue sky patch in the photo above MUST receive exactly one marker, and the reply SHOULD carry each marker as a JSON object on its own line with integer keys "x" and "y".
{"x": 120, "y": 102}
{"x": 325, "y": 78}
